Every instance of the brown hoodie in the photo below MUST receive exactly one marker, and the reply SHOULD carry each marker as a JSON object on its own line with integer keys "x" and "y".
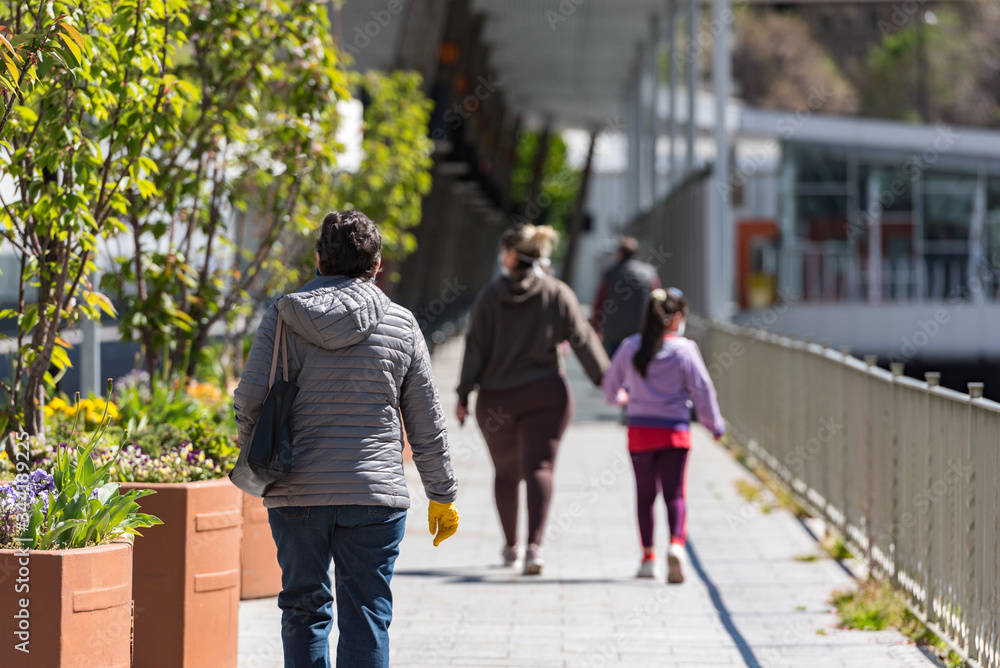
{"x": 517, "y": 323}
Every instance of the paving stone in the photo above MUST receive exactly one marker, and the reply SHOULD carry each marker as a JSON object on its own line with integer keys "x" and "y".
{"x": 747, "y": 601}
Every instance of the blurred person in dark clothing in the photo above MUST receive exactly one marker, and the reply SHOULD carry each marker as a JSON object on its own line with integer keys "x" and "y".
{"x": 622, "y": 296}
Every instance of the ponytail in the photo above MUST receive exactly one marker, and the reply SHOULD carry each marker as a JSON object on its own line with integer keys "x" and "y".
{"x": 533, "y": 244}
{"x": 663, "y": 304}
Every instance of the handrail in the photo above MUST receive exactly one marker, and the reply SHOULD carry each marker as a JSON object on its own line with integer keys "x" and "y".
{"x": 907, "y": 470}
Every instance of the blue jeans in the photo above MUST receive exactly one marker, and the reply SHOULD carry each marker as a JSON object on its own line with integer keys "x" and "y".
{"x": 363, "y": 542}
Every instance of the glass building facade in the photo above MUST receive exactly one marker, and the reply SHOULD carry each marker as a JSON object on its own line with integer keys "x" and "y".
{"x": 876, "y": 225}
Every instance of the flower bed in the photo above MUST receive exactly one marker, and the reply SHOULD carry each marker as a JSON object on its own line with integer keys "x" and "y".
{"x": 58, "y": 527}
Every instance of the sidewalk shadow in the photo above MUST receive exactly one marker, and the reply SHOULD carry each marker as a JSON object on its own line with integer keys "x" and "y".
{"x": 720, "y": 607}
{"x": 513, "y": 577}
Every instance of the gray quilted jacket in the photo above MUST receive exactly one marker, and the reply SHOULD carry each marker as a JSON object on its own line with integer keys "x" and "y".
{"x": 359, "y": 360}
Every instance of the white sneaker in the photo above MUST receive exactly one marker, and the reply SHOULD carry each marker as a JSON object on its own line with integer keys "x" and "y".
{"x": 533, "y": 561}
{"x": 676, "y": 558}
{"x": 509, "y": 555}
{"x": 647, "y": 569}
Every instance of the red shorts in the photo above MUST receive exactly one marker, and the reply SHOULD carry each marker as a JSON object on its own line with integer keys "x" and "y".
{"x": 645, "y": 439}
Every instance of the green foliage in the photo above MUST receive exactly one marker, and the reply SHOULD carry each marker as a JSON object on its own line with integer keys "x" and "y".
{"x": 835, "y": 547}
{"x": 159, "y": 438}
{"x": 241, "y": 177}
{"x": 945, "y": 63}
{"x": 97, "y": 98}
{"x": 875, "y": 605}
{"x": 560, "y": 182}
{"x": 395, "y": 172}
{"x": 746, "y": 489}
{"x": 85, "y": 508}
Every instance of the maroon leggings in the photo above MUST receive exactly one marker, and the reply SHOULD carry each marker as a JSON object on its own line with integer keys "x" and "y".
{"x": 523, "y": 427}
{"x": 658, "y": 470}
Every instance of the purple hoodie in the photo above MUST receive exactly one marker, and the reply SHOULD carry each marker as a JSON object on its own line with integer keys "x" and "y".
{"x": 675, "y": 378}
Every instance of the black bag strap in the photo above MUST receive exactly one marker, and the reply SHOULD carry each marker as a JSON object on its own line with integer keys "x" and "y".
{"x": 279, "y": 334}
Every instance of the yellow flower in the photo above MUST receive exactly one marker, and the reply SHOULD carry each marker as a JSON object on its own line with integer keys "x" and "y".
{"x": 205, "y": 391}
{"x": 57, "y": 404}
{"x": 49, "y": 411}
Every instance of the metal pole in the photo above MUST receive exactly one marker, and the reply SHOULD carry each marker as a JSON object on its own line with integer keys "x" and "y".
{"x": 723, "y": 225}
{"x": 691, "y": 54}
{"x": 90, "y": 357}
{"x": 874, "y": 268}
{"x": 579, "y": 211}
{"x": 674, "y": 74}
{"x": 634, "y": 134}
{"x": 652, "y": 109}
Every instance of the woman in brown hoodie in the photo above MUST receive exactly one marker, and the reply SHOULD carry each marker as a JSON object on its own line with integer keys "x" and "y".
{"x": 512, "y": 357}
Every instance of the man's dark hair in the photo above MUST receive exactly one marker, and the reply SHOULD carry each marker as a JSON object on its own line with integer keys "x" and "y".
{"x": 349, "y": 244}
{"x": 627, "y": 247}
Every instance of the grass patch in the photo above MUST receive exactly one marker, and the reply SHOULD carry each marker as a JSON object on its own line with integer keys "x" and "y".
{"x": 781, "y": 494}
{"x": 835, "y": 547}
{"x": 806, "y": 557}
{"x": 876, "y": 606}
{"x": 749, "y": 491}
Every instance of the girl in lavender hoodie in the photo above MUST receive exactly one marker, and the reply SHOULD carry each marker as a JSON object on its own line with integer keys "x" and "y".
{"x": 663, "y": 373}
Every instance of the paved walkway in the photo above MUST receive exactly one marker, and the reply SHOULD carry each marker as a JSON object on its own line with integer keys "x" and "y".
{"x": 747, "y": 600}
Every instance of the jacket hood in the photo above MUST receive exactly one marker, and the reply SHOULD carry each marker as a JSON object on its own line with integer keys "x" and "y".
{"x": 334, "y": 312}
{"x": 519, "y": 289}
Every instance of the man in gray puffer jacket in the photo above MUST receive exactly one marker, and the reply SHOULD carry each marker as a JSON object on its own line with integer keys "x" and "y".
{"x": 359, "y": 361}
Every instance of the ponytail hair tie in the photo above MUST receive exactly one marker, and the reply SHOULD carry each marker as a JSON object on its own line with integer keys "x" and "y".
{"x": 659, "y": 294}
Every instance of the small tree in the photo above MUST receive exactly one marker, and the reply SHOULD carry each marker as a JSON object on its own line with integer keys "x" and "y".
{"x": 389, "y": 185}
{"x": 79, "y": 141}
{"x": 395, "y": 172}
{"x": 940, "y": 70}
{"x": 233, "y": 175}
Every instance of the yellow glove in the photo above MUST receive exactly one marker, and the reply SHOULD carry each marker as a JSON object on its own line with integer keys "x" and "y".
{"x": 443, "y": 520}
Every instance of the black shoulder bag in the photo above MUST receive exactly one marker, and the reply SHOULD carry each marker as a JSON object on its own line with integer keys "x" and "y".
{"x": 266, "y": 457}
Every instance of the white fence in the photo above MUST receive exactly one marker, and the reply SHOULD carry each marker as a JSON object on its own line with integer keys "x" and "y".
{"x": 909, "y": 471}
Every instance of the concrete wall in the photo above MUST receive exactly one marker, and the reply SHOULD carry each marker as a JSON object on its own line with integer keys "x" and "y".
{"x": 945, "y": 330}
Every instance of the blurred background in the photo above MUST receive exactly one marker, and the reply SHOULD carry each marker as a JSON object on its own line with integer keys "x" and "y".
{"x": 822, "y": 169}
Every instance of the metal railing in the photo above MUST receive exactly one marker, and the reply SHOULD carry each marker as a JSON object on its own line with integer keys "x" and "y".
{"x": 907, "y": 470}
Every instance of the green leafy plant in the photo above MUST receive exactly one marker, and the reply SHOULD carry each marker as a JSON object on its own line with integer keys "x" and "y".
{"x": 76, "y": 506}
{"x": 394, "y": 175}
{"x": 251, "y": 160}
{"x": 875, "y": 605}
{"x": 156, "y": 440}
{"x": 93, "y": 97}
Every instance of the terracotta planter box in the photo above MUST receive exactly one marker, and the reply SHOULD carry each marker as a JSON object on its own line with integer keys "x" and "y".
{"x": 187, "y": 575}
{"x": 78, "y": 612}
{"x": 261, "y": 573}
